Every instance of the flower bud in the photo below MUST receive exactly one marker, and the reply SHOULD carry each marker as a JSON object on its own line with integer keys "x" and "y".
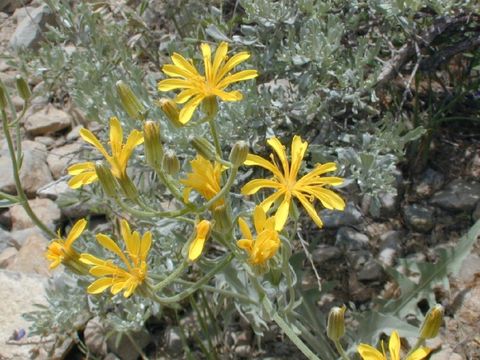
{"x": 23, "y": 88}
{"x": 170, "y": 164}
{"x": 106, "y": 179}
{"x": 239, "y": 153}
{"x": 153, "y": 144}
{"x": 336, "y": 323}
{"x": 3, "y": 99}
{"x": 433, "y": 321}
{"x": 129, "y": 100}
{"x": 221, "y": 217}
{"x": 170, "y": 109}
{"x": 128, "y": 187}
{"x": 203, "y": 147}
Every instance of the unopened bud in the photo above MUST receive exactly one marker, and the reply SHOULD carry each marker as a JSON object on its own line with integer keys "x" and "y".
{"x": 106, "y": 179}
{"x": 203, "y": 147}
{"x": 129, "y": 100}
{"x": 170, "y": 109}
{"x": 3, "y": 99}
{"x": 433, "y": 321}
{"x": 221, "y": 217}
{"x": 170, "y": 164}
{"x": 128, "y": 187}
{"x": 336, "y": 323}
{"x": 153, "y": 144}
{"x": 23, "y": 88}
{"x": 239, "y": 153}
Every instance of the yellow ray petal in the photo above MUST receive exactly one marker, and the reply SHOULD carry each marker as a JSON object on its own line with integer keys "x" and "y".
{"x": 100, "y": 285}
{"x": 419, "y": 354}
{"x": 81, "y": 167}
{"x": 268, "y": 202}
{"x": 109, "y": 244}
{"x": 328, "y": 198}
{"x": 220, "y": 55}
{"x": 232, "y": 62}
{"x": 90, "y": 259}
{"x": 368, "y": 352}
{"x": 75, "y": 232}
{"x": 239, "y": 76}
{"x": 282, "y": 156}
{"x": 394, "y": 346}
{"x": 116, "y": 136}
{"x": 207, "y": 61}
{"x": 181, "y": 62}
{"x": 281, "y": 215}
{"x": 82, "y": 179}
{"x": 254, "y": 185}
{"x": 176, "y": 71}
{"x": 244, "y": 229}
{"x": 172, "y": 84}
{"x": 245, "y": 244}
{"x": 298, "y": 150}
{"x": 145, "y": 245}
{"x": 310, "y": 209}
{"x": 229, "y": 96}
{"x": 88, "y": 136}
{"x": 259, "y": 218}
{"x": 259, "y": 161}
{"x": 187, "y": 111}
{"x": 196, "y": 247}
{"x": 185, "y": 95}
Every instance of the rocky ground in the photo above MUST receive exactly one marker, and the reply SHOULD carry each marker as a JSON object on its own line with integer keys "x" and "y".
{"x": 429, "y": 210}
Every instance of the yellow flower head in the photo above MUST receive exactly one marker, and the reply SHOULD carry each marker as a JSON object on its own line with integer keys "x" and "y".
{"x": 198, "y": 87}
{"x": 286, "y": 186}
{"x": 84, "y": 173}
{"x": 267, "y": 242}
{"x": 134, "y": 258}
{"x": 61, "y": 250}
{"x": 204, "y": 178}
{"x": 368, "y": 352}
{"x": 202, "y": 233}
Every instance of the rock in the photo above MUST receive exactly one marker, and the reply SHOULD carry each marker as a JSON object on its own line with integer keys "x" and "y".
{"x": 74, "y": 134}
{"x": 94, "y": 335}
{"x": 45, "y": 209}
{"x": 469, "y": 268}
{"x": 34, "y": 172}
{"x": 19, "y": 293}
{"x": 324, "y": 253}
{"x": 22, "y": 12}
{"x": 30, "y": 258}
{"x": 428, "y": 182}
{"x": 418, "y": 218}
{"x": 459, "y": 195}
{"x": 9, "y": 6}
{"x": 5, "y": 239}
{"x": 124, "y": 348}
{"x": 173, "y": 341}
{"x": 350, "y": 239}
{"x": 19, "y": 237}
{"x": 334, "y": 218}
{"x": 45, "y": 140}
{"x": 7, "y": 257}
{"x": 385, "y": 205}
{"x": 53, "y": 190}
{"x": 60, "y": 158}
{"x": 474, "y": 166}
{"x": 387, "y": 256}
{"x": 5, "y": 218}
{"x": 243, "y": 351}
{"x": 47, "y": 120}
{"x": 446, "y": 354}
{"x": 370, "y": 271}
{"x": 391, "y": 242}
{"x": 476, "y": 212}
{"x": 29, "y": 31}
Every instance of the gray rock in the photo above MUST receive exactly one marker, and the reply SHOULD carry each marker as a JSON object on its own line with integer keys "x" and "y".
{"x": 124, "y": 348}
{"x": 54, "y": 189}
{"x": 5, "y": 218}
{"x": 429, "y": 182}
{"x": 47, "y": 120}
{"x": 45, "y": 209}
{"x": 29, "y": 31}
{"x": 74, "y": 134}
{"x": 173, "y": 341}
{"x": 22, "y": 12}
{"x": 9, "y": 6}
{"x": 469, "y": 268}
{"x": 390, "y": 245}
{"x": 476, "y": 212}
{"x": 370, "y": 271}
{"x": 474, "y": 166}
{"x": 34, "y": 172}
{"x": 30, "y": 258}
{"x": 45, "y": 140}
{"x": 19, "y": 293}
{"x": 6, "y": 239}
{"x": 358, "y": 258}
{"x": 334, "y": 218}
{"x": 7, "y": 257}
{"x": 385, "y": 205}
{"x": 324, "y": 253}
{"x": 446, "y": 354}
{"x": 387, "y": 256}
{"x": 459, "y": 195}
{"x": 20, "y": 237}
{"x": 350, "y": 239}
{"x": 95, "y": 336}
{"x": 60, "y": 158}
{"x": 419, "y": 218}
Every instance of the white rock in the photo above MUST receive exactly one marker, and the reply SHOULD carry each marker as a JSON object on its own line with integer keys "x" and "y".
{"x": 47, "y": 120}
{"x": 31, "y": 257}
{"x": 45, "y": 209}
{"x": 29, "y": 31}
{"x": 7, "y": 257}
{"x": 60, "y": 158}
{"x": 54, "y": 189}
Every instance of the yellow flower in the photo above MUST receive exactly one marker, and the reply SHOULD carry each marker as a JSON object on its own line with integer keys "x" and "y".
{"x": 134, "y": 258}
{"x": 368, "y": 352}
{"x": 284, "y": 181}
{"x": 84, "y": 173}
{"x": 197, "y": 87}
{"x": 196, "y": 247}
{"x": 60, "y": 250}
{"x": 267, "y": 242}
{"x": 204, "y": 178}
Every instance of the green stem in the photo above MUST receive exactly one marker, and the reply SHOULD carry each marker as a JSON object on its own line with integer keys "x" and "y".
{"x": 168, "y": 183}
{"x": 287, "y": 329}
{"x": 340, "y": 350}
{"x": 216, "y": 139}
{"x": 152, "y": 213}
{"x": 228, "y": 293}
{"x": 186, "y": 293}
{"x": 172, "y": 277}
{"x": 21, "y": 193}
{"x": 9, "y": 197}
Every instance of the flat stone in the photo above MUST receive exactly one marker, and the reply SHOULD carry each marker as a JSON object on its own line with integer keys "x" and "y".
{"x": 474, "y": 166}
{"x": 28, "y": 33}
{"x": 419, "y": 218}
{"x": 20, "y": 237}
{"x": 334, "y": 218}
{"x": 429, "y": 182}
{"x": 446, "y": 354}
{"x": 45, "y": 209}
{"x": 61, "y": 157}
{"x": 7, "y": 257}
{"x": 19, "y": 293}
{"x": 74, "y": 134}
{"x": 370, "y": 271}
{"x": 9, "y": 6}
{"x": 34, "y": 172}
{"x": 351, "y": 239}
{"x": 324, "y": 253}
{"x": 5, "y": 239}
{"x": 390, "y": 245}
{"x": 54, "y": 189}
{"x": 469, "y": 268}
{"x": 31, "y": 257}
{"x": 385, "y": 206}
{"x": 47, "y": 120}
{"x": 124, "y": 348}
{"x": 459, "y": 195}
{"x": 45, "y": 140}
{"x": 22, "y": 12}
